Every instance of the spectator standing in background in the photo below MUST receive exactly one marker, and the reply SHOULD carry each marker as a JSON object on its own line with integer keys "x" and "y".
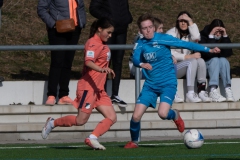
{"x": 61, "y": 60}
{"x": 188, "y": 63}
{"x": 118, "y": 12}
{"x": 217, "y": 64}
{"x": 1, "y": 3}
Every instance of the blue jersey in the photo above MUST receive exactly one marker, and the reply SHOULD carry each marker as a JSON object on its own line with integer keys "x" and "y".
{"x": 156, "y": 51}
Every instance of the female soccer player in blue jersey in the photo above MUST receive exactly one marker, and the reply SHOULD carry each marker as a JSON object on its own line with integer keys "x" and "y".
{"x": 152, "y": 53}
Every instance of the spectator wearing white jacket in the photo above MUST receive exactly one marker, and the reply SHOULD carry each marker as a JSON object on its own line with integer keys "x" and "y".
{"x": 189, "y": 63}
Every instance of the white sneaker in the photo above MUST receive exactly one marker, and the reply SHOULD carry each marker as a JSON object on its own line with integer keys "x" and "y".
{"x": 203, "y": 95}
{"x": 229, "y": 95}
{"x": 216, "y": 97}
{"x": 92, "y": 142}
{"x": 178, "y": 99}
{"x": 192, "y": 98}
{"x": 47, "y": 128}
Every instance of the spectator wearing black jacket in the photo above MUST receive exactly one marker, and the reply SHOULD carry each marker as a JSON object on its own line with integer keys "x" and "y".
{"x": 1, "y": 3}
{"x": 217, "y": 64}
{"x": 118, "y": 12}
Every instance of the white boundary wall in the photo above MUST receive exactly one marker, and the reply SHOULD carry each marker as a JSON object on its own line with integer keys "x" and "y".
{"x": 35, "y": 91}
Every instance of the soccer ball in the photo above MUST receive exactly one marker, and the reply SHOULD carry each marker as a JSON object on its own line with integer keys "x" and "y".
{"x": 193, "y": 138}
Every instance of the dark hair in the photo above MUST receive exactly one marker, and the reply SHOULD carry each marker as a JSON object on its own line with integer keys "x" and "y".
{"x": 186, "y": 32}
{"x": 102, "y": 23}
{"x": 144, "y": 17}
{"x": 157, "y": 22}
{"x": 215, "y": 23}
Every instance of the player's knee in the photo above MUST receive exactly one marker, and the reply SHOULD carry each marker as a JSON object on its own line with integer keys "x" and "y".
{"x": 80, "y": 122}
{"x": 114, "y": 119}
{"x": 136, "y": 118}
{"x": 162, "y": 115}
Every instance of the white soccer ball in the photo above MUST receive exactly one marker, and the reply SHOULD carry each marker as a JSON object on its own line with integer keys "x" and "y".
{"x": 193, "y": 138}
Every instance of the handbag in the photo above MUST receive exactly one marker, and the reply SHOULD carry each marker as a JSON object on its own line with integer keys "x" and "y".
{"x": 66, "y": 25}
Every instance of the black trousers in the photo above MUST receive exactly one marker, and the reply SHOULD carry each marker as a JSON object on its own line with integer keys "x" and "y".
{"x": 117, "y": 59}
{"x": 61, "y": 61}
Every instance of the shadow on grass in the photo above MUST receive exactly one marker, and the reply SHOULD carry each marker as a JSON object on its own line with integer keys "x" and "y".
{"x": 30, "y": 75}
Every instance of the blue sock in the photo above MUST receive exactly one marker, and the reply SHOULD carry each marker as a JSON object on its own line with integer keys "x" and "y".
{"x": 134, "y": 130}
{"x": 171, "y": 115}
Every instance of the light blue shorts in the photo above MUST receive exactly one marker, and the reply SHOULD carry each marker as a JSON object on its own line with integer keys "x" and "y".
{"x": 148, "y": 97}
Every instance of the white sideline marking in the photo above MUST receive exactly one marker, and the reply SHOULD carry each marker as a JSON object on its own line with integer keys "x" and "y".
{"x": 80, "y": 146}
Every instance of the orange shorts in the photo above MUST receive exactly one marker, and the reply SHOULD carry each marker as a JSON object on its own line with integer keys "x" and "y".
{"x": 88, "y": 100}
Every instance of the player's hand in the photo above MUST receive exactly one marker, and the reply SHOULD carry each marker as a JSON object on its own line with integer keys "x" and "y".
{"x": 186, "y": 18}
{"x": 215, "y": 50}
{"x": 146, "y": 66}
{"x": 108, "y": 70}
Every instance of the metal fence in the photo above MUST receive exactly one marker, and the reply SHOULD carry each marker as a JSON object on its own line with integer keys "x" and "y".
{"x": 112, "y": 47}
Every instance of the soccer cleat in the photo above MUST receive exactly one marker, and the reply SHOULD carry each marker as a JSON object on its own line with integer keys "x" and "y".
{"x": 65, "y": 100}
{"x": 179, "y": 122}
{"x": 50, "y": 101}
{"x": 130, "y": 145}
{"x": 192, "y": 98}
{"x": 229, "y": 95}
{"x": 216, "y": 97}
{"x": 119, "y": 101}
{"x": 47, "y": 128}
{"x": 178, "y": 99}
{"x": 93, "y": 143}
{"x": 203, "y": 95}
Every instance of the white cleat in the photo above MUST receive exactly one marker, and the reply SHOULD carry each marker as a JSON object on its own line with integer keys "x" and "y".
{"x": 229, "y": 95}
{"x": 203, "y": 95}
{"x": 192, "y": 98}
{"x": 47, "y": 128}
{"x": 216, "y": 97}
{"x": 93, "y": 143}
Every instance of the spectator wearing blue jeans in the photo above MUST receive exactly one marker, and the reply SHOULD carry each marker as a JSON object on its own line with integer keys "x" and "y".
{"x": 217, "y": 64}
{"x": 118, "y": 12}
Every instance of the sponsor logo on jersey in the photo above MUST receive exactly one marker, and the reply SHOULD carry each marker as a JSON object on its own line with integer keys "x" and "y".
{"x": 90, "y": 54}
{"x": 150, "y": 56}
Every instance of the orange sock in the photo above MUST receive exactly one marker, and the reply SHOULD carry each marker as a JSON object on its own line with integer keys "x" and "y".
{"x": 102, "y": 127}
{"x": 66, "y": 121}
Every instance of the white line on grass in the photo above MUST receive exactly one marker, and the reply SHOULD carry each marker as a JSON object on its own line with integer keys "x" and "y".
{"x": 80, "y": 146}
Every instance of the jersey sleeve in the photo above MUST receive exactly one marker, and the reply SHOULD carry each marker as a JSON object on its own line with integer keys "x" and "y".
{"x": 92, "y": 51}
{"x": 175, "y": 42}
{"x": 137, "y": 50}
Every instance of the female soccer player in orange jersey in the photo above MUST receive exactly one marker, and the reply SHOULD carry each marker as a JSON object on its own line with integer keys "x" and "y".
{"x": 90, "y": 89}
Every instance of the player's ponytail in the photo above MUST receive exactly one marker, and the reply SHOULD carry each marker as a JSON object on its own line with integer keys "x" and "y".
{"x": 100, "y": 23}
